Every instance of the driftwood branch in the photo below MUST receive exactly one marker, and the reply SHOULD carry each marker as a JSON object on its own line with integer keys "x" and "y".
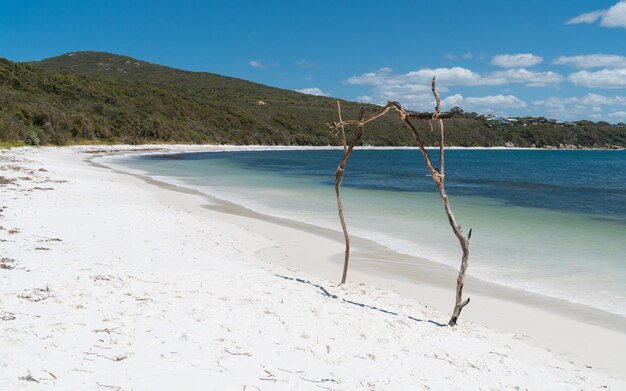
{"x": 438, "y": 175}
{"x": 343, "y": 132}
{"x": 339, "y": 178}
{"x": 437, "y": 117}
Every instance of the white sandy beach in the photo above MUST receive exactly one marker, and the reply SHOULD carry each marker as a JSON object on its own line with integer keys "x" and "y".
{"x": 112, "y": 282}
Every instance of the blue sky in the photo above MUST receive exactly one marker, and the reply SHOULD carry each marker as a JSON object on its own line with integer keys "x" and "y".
{"x": 564, "y": 59}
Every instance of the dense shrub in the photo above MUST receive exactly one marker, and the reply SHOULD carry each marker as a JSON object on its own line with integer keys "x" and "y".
{"x": 32, "y": 138}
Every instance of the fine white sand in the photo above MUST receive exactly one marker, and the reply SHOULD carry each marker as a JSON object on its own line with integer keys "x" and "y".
{"x": 111, "y": 282}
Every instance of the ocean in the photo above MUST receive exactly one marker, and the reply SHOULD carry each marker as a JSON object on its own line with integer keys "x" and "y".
{"x": 551, "y": 222}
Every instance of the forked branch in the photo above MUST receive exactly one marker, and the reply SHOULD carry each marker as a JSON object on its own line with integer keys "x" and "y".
{"x": 437, "y": 174}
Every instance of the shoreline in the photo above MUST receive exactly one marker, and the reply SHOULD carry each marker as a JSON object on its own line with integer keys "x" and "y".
{"x": 430, "y": 282}
{"x": 566, "y": 307}
{"x": 118, "y": 281}
{"x": 185, "y": 148}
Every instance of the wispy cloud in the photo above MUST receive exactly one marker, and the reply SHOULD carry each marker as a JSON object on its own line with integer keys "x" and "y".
{"x": 420, "y": 79}
{"x": 313, "y": 91}
{"x": 520, "y": 60}
{"x": 588, "y": 17}
{"x": 589, "y": 100}
{"x": 526, "y": 77}
{"x": 485, "y": 103}
{"x": 390, "y": 85}
{"x": 605, "y": 78}
{"x": 305, "y": 63}
{"x": 256, "y": 64}
{"x": 592, "y": 61}
{"x": 452, "y": 57}
{"x": 614, "y": 16}
{"x": 413, "y": 88}
{"x": 617, "y": 116}
{"x": 592, "y": 106}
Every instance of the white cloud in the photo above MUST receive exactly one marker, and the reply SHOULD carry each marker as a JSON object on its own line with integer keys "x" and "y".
{"x": 413, "y": 88}
{"x": 615, "y": 16}
{"x": 418, "y": 81}
{"x": 313, "y": 91}
{"x": 588, "y": 17}
{"x": 587, "y": 106}
{"x": 450, "y": 57}
{"x": 617, "y": 116}
{"x": 526, "y": 77}
{"x": 592, "y": 61}
{"x": 605, "y": 78}
{"x": 516, "y": 60}
{"x": 381, "y": 76}
{"x": 588, "y": 100}
{"x": 485, "y": 103}
{"x": 364, "y": 99}
{"x": 456, "y": 76}
{"x": 256, "y": 64}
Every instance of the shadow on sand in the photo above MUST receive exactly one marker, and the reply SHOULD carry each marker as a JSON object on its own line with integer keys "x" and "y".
{"x": 325, "y": 292}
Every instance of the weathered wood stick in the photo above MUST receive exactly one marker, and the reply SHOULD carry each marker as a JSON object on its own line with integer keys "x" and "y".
{"x": 338, "y": 180}
{"x": 383, "y": 111}
{"x": 343, "y": 132}
{"x": 437, "y": 174}
{"x": 437, "y": 116}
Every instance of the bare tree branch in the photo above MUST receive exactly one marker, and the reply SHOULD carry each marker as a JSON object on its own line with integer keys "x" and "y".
{"x": 437, "y": 116}
{"x": 343, "y": 132}
{"x": 338, "y": 180}
{"x": 437, "y": 175}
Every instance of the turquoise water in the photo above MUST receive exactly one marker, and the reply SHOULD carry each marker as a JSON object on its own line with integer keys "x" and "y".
{"x": 550, "y": 222}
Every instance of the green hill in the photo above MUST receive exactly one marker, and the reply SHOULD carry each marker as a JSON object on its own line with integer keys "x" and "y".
{"x": 103, "y": 97}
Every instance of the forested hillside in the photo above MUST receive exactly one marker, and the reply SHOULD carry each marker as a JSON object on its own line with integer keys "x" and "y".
{"x": 101, "y": 97}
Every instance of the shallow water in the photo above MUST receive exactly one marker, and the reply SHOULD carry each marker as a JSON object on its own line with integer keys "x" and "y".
{"x": 550, "y": 222}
